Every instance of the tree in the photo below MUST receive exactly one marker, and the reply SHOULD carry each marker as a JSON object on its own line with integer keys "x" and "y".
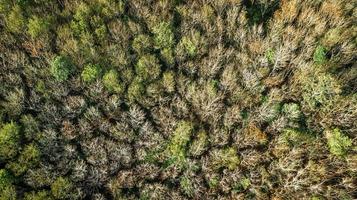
{"x": 148, "y": 67}
{"x": 9, "y": 141}
{"x": 90, "y": 73}
{"x": 112, "y": 83}
{"x": 337, "y": 142}
{"x": 38, "y": 26}
{"x": 61, "y": 68}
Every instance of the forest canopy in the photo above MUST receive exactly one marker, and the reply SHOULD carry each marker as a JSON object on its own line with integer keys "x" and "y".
{"x": 178, "y": 99}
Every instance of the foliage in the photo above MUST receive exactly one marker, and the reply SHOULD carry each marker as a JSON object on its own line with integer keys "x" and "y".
{"x": 61, "y": 68}
{"x": 9, "y": 141}
{"x": 142, "y": 43}
{"x": 173, "y": 99}
{"x": 61, "y": 188}
{"x": 337, "y": 142}
{"x": 7, "y": 190}
{"x": 90, "y": 73}
{"x": 148, "y": 67}
{"x": 163, "y": 35}
{"x": 38, "y": 26}
{"x": 225, "y": 158}
{"x": 320, "y": 55}
{"x": 177, "y": 149}
{"x": 28, "y": 159}
{"x": 41, "y": 195}
{"x": 16, "y": 20}
{"x": 111, "y": 81}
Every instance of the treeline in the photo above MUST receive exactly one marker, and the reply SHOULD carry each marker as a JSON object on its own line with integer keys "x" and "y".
{"x": 178, "y": 99}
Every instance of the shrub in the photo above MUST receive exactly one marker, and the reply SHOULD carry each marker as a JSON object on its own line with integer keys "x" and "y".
{"x": 148, "y": 67}
{"x": 90, "y": 73}
{"x": 61, "y": 68}
{"x": 163, "y": 35}
{"x": 111, "y": 81}
{"x": 337, "y": 142}
{"x": 9, "y": 141}
{"x": 320, "y": 55}
{"x": 37, "y": 26}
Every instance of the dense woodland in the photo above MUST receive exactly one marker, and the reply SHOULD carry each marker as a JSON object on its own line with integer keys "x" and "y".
{"x": 178, "y": 99}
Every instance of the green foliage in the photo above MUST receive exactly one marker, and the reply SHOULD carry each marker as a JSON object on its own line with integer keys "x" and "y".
{"x": 38, "y": 26}
{"x": 61, "y": 68}
{"x": 112, "y": 83}
{"x": 163, "y": 35}
{"x": 7, "y": 190}
{"x": 40, "y": 195}
{"x": 90, "y": 73}
{"x": 179, "y": 141}
{"x": 225, "y": 158}
{"x": 199, "y": 144}
{"x": 295, "y": 137}
{"x": 148, "y": 67}
{"x": 320, "y": 55}
{"x": 270, "y": 55}
{"x": 189, "y": 45}
{"x": 337, "y": 142}
{"x": 136, "y": 89}
{"x": 28, "y": 159}
{"x": 9, "y": 141}
{"x": 30, "y": 127}
{"x": 242, "y": 185}
{"x": 168, "y": 81}
{"x": 16, "y": 21}
{"x": 319, "y": 90}
{"x": 61, "y": 188}
{"x": 292, "y": 111}
{"x": 142, "y": 44}
{"x": 187, "y": 186}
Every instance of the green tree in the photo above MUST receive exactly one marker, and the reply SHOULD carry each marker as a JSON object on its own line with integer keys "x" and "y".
{"x": 112, "y": 83}
{"x": 62, "y": 188}
{"x": 40, "y": 195}
{"x": 9, "y": 141}
{"x": 320, "y": 55}
{"x": 337, "y": 142}
{"x": 61, "y": 68}
{"x": 7, "y": 190}
{"x": 142, "y": 43}
{"x": 90, "y": 73}
{"x": 148, "y": 67}
{"x": 16, "y": 21}
{"x": 38, "y": 26}
{"x": 28, "y": 159}
{"x": 163, "y": 35}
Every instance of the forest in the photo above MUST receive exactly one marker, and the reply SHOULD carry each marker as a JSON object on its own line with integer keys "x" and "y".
{"x": 178, "y": 99}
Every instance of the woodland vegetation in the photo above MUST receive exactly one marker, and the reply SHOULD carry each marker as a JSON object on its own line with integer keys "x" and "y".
{"x": 178, "y": 99}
